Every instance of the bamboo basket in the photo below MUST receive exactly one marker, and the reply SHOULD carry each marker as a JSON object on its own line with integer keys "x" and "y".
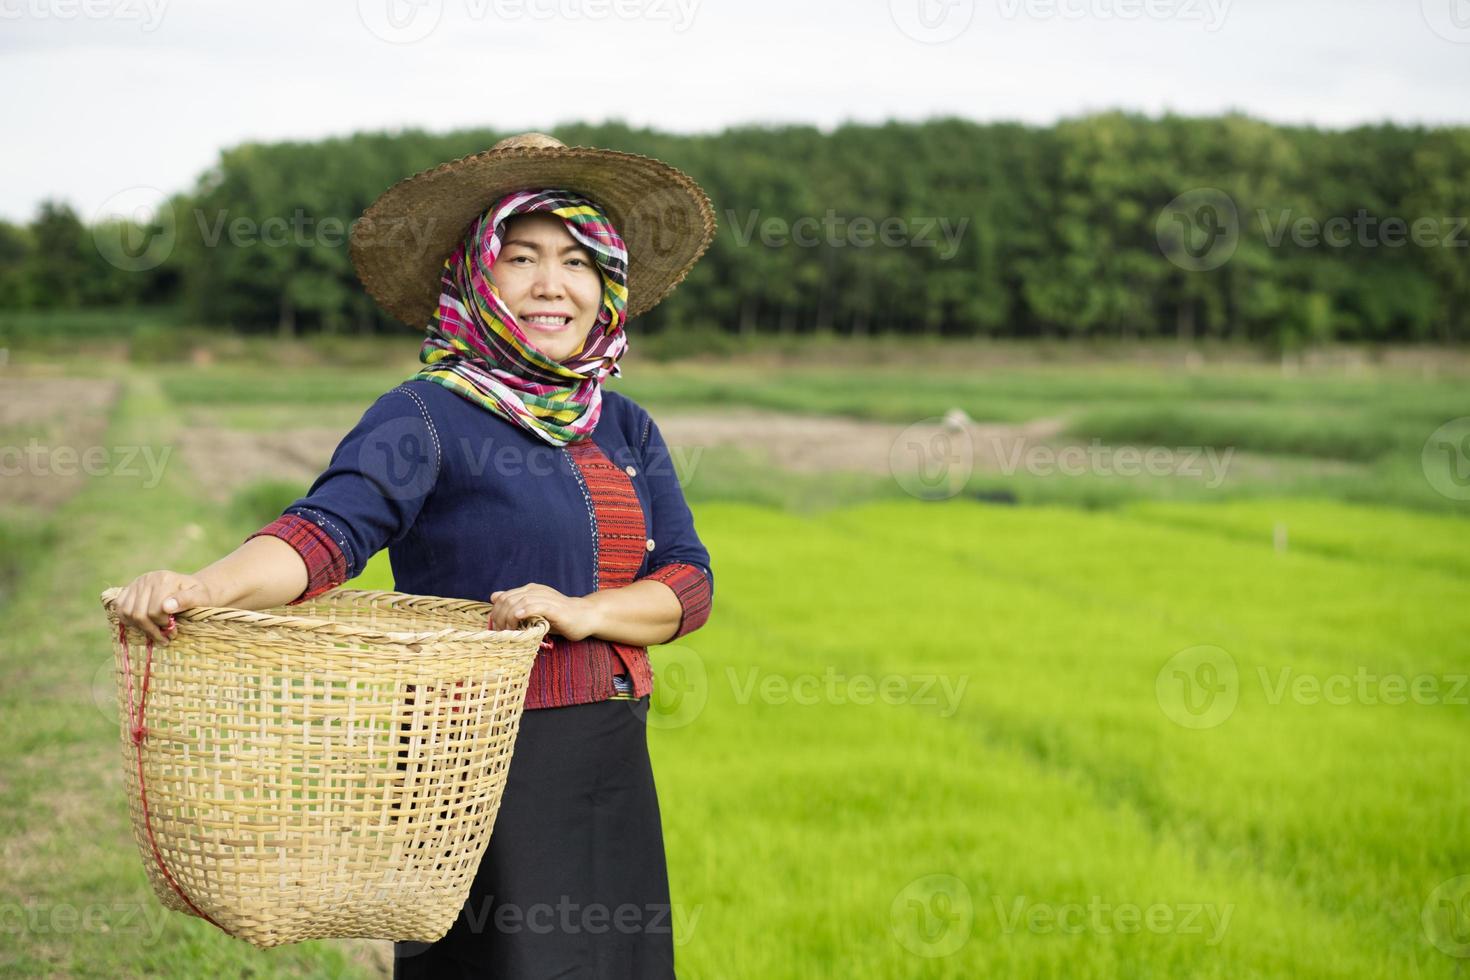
{"x": 326, "y": 770}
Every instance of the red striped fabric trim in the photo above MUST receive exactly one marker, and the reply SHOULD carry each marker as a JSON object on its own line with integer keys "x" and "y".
{"x": 326, "y": 566}
{"x": 691, "y": 585}
{"x": 578, "y": 671}
{"x": 621, "y": 535}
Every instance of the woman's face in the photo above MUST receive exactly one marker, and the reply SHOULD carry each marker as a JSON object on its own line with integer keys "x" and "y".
{"x": 542, "y": 269}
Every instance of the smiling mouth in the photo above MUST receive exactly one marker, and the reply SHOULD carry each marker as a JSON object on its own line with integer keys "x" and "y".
{"x": 547, "y": 323}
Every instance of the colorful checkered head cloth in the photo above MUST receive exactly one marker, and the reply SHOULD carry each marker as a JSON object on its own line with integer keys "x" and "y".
{"x": 476, "y": 348}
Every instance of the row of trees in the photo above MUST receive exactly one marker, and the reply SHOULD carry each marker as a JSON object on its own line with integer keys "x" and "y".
{"x": 1107, "y": 225}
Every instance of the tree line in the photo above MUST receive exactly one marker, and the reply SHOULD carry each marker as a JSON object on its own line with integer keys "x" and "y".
{"x": 1108, "y": 225}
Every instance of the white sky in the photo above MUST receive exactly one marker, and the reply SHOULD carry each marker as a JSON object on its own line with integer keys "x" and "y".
{"x": 107, "y": 95}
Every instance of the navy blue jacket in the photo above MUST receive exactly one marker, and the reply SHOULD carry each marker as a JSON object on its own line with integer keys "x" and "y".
{"x": 468, "y": 504}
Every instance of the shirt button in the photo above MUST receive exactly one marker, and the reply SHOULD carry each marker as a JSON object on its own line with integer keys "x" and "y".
{"x": 630, "y": 470}
{"x": 648, "y": 544}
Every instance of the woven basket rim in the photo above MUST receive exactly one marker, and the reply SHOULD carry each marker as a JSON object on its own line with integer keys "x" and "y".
{"x": 230, "y": 616}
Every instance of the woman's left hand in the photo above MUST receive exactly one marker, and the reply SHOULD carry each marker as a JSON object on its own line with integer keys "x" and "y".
{"x": 569, "y": 616}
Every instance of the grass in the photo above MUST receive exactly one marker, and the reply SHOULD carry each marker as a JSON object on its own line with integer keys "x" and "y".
{"x": 1285, "y": 436}
{"x": 1058, "y": 779}
{"x": 76, "y": 902}
{"x": 1330, "y": 434}
{"x": 26, "y": 326}
{"x": 262, "y": 387}
{"x": 1313, "y": 436}
{"x": 916, "y": 738}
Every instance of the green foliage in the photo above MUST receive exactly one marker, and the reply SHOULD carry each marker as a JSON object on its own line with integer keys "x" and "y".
{"x": 261, "y": 502}
{"x": 1331, "y": 435}
{"x": 692, "y": 340}
{"x": 159, "y": 343}
{"x": 1002, "y": 229}
{"x": 58, "y": 327}
{"x": 227, "y": 384}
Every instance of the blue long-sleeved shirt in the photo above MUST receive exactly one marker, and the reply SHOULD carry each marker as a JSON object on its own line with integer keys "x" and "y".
{"x": 468, "y": 504}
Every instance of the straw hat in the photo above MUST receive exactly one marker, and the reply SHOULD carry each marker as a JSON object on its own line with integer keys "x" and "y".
{"x": 400, "y": 242}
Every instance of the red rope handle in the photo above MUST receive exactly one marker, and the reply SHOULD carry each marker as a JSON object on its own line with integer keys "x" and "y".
{"x": 139, "y": 730}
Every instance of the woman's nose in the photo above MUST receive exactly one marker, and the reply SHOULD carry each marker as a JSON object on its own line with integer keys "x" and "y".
{"x": 547, "y": 282}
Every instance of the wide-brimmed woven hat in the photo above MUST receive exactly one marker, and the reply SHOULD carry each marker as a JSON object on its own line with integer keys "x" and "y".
{"x": 400, "y": 242}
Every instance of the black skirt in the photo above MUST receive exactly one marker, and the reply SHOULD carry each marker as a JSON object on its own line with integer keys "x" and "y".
{"x": 574, "y": 882}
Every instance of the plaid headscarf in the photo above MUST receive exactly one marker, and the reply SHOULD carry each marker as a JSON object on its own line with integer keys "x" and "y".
{"x": 476, "y": 348}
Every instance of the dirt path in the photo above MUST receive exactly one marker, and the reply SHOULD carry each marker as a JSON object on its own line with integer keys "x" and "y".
{"x": 50, "y": 432}
{"x": 224, "y": 460}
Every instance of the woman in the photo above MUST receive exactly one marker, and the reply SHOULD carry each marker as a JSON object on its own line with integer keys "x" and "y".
{"x": 503, "y": 471}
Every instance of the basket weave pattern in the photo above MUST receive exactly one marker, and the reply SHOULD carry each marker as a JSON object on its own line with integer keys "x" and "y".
{"x": 334, "y": 772}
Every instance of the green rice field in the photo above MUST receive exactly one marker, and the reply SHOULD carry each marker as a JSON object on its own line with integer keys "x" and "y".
{"x": 1045, "y": 726}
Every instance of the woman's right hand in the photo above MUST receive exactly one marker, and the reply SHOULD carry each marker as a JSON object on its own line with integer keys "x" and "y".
{"x": 147, "y": 601}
